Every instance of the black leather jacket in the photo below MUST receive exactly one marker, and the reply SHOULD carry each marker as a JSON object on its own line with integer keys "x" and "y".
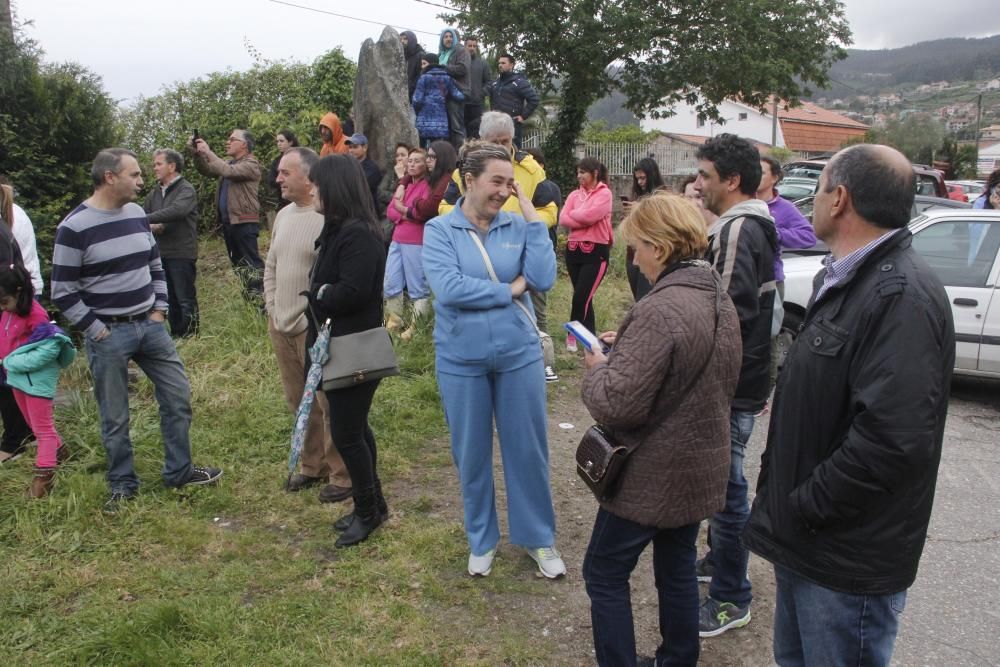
{"x": 847, "y": 478}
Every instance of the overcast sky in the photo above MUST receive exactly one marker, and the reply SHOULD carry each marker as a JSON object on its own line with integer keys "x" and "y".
{"x": 139, "y": 46}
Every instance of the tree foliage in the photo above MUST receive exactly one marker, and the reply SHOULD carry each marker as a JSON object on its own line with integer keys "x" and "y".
{"x": 918, "y": 137}
{"x": 53, "y": 120}
{"x": 657, "y": 54}
{"x": 600, "y": 131}
{"x": 267, "y": 98}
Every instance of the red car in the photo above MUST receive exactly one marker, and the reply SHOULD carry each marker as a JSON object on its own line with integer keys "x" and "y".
{"x": 957, "y": 193}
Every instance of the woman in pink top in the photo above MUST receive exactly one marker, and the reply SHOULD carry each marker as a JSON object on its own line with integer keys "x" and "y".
{"x": 415, "y": 202}
{"x": 587, "y": 215}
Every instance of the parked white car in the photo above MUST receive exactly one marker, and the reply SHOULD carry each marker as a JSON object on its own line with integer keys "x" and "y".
{"x": 963, "y": 248}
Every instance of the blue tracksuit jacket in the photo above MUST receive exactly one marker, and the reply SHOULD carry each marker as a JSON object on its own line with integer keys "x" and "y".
{"x": 477, "y": 327}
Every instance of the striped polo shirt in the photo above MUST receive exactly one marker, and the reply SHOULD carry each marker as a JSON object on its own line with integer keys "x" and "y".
{"x": 106, "y": 263}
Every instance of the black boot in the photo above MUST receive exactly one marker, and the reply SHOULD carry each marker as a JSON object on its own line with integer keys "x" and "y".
{"x": 366, "y": 518}
{"x": 344, "y": 522}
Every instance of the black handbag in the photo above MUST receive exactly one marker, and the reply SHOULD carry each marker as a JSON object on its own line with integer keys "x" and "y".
{"x": 600, "y": 459}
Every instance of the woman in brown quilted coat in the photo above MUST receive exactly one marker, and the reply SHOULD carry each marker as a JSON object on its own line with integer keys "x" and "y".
{"x": 664, "y": 390}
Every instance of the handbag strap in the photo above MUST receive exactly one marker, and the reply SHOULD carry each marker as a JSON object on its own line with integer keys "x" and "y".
{"x": 493, "y": 276}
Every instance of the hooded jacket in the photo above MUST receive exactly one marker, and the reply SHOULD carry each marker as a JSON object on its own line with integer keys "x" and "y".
{"x": 847, "y": 478}
{"x": 741, "y": 246}
{"x": 40, "y": 349}
{"x": 528, "y": 174}
{"x": 456, "y": 61}
{"x": 430, "y": 102}
{"x": 338, "y": 143}
{"x": 411, "y": 59}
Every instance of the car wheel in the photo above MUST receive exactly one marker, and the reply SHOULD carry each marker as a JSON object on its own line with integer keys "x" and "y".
{"x": 789, "y": 330}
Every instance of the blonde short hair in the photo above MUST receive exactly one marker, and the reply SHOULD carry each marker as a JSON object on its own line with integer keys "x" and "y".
{"x": 670, "y": 222}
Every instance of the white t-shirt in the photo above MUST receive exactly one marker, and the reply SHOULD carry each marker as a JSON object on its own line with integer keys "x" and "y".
{"x": 24, "y": 234}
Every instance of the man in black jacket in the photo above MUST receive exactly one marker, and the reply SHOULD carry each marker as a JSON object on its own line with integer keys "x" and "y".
{"x": 172, "y": 209}
{"x": 479, "y": 83}
{"x": 742, "y": 243}
{"x": 512, "y": 94}
{"x": 357, "y": 146}
{"x": 847, "y": 478}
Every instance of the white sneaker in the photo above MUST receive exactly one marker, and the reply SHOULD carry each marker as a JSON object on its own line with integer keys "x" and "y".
{"x": 481, "y": 566}
{"x": 550, "y": 563}
{"x": 571, "y": 342}
{"x": 550, "y": 375}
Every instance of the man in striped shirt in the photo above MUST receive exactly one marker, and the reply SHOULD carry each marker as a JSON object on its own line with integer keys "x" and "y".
{"x": 108, "y": 280}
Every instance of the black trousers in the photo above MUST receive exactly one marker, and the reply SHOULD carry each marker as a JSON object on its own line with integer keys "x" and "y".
{"x": 636, "y": 281}
{"x": 473, "y": 114}
{"x": 241, "y": 244}
{"x": 456, "y": 122}
{"x": 15, "y": 429}
{"x": 182, "y": 296}
{"x": 351, "y": 433}
{"x": 586, "y": 271}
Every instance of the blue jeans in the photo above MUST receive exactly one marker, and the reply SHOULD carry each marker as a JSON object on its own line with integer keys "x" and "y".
{"x": 615, "y": 546}
{"x": 149, "y": 344}
{"x": 727, "y": 555}
{"x": 814, "y": 625}
{"x": 404, "y": 269}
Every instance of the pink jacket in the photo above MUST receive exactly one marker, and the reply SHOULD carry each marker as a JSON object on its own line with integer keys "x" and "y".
{"x": 16, "y": 330}
{"x": 588, "y": 215}
{"x": 409, "y": 229}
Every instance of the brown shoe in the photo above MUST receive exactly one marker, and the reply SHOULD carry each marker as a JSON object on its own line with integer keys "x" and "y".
{"x": 298, "y": 481}
{"x": 331, "y": 493}
{"x": 62, "y": 454}
{"x": 41, "y": 484}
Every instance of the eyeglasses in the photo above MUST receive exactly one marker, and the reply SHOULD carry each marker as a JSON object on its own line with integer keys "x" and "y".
{"x": 235, "y": 139}
{"x": 431, "y": 156}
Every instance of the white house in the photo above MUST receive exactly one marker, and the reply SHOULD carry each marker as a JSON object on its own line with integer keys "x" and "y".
{"x": 740, "y": 119}
{"x": 989, "y": 159}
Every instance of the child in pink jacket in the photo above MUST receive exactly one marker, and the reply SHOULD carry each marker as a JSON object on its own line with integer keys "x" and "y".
{"x": 587, "y": 215}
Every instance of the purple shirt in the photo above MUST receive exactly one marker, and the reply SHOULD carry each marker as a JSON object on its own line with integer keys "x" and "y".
{"x": 794, "y": 231}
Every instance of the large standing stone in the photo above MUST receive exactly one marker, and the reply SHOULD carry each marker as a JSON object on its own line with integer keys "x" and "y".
{"x": 382, "y": 111}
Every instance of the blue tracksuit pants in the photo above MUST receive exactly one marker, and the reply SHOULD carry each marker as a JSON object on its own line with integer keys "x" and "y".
{"x": 517, "y": 400}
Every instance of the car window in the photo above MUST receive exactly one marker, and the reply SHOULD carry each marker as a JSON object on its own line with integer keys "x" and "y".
{"x": 961, "y": 253}
{"x": 926, "y": 185}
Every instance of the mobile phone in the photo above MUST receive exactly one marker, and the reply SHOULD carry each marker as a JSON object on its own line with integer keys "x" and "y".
{"x": 583, "y": 334}
{"x": 194, "y": 138}
{"x": 624, "y": 198}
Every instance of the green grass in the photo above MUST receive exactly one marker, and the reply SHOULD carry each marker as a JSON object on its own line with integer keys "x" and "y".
{"x": 243, "y": 573}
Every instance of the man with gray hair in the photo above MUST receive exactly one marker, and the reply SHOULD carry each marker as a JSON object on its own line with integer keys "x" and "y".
{"x": 237, "y": 204}
{"x": 847, "y": 478}
{"x": 107, "y": 279}
{"x": 172, "y": 210}
{"x": 498, "y": 128}
{"x": 286, "y": 278}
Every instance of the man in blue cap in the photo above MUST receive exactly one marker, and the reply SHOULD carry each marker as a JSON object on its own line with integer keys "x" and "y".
{"x": 357, "y": 145}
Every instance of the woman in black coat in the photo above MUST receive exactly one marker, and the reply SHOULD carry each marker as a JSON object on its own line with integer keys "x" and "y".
{"x": 346, "y": 287}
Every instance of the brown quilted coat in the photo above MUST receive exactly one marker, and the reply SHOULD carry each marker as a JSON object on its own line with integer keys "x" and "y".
{"x": 678, "y": 474}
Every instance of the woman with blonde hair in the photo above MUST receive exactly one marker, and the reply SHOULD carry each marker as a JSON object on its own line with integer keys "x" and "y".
{"x": 663, "y": 391}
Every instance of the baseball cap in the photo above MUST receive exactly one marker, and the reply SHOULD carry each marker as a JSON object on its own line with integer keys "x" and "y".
{"x": 358, "y": 139}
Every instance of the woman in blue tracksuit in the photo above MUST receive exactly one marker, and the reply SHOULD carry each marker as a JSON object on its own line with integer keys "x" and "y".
{"x": 489, "y": 361}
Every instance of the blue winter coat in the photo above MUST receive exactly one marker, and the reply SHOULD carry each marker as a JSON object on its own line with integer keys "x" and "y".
{"x": 477, "y": 327}
{"x": 430, "y": 100}
{"x": 34, "y": 367}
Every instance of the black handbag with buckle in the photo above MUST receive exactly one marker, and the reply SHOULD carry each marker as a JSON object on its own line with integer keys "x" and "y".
{"x": 600, "y": 459}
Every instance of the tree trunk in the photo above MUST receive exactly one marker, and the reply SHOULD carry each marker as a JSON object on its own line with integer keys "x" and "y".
{"x": 6, "y": 23}
{"x": 560, "y": 160}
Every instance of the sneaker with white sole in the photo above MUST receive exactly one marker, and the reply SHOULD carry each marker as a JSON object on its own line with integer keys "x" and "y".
{"x": 550, "y": 375}
{"x": 200, "y": 476}
{"x": 571, "y": 342}
{"x": 704, "y": 570}
{"x": 716, "y": 617}
{"x": 549, "y": 562}
{"x": 481, "y": 566}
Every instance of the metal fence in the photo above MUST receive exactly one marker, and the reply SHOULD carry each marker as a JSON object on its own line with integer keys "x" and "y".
{"x": 620, "y": 159}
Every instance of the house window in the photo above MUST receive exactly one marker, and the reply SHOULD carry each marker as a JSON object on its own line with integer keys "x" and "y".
{"x": 743, "y": 116}
{"x": 700, "y": 122}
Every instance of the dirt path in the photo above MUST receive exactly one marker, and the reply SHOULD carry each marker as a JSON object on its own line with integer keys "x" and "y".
{"x": 559, "y": 611}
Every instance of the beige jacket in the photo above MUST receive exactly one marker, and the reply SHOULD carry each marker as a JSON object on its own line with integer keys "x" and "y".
{"x": 242, "y": 203}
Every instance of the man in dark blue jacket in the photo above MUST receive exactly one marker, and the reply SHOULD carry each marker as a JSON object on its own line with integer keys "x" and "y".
{"x": 847, "y": 479}
{"x": 512, "y": 94}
